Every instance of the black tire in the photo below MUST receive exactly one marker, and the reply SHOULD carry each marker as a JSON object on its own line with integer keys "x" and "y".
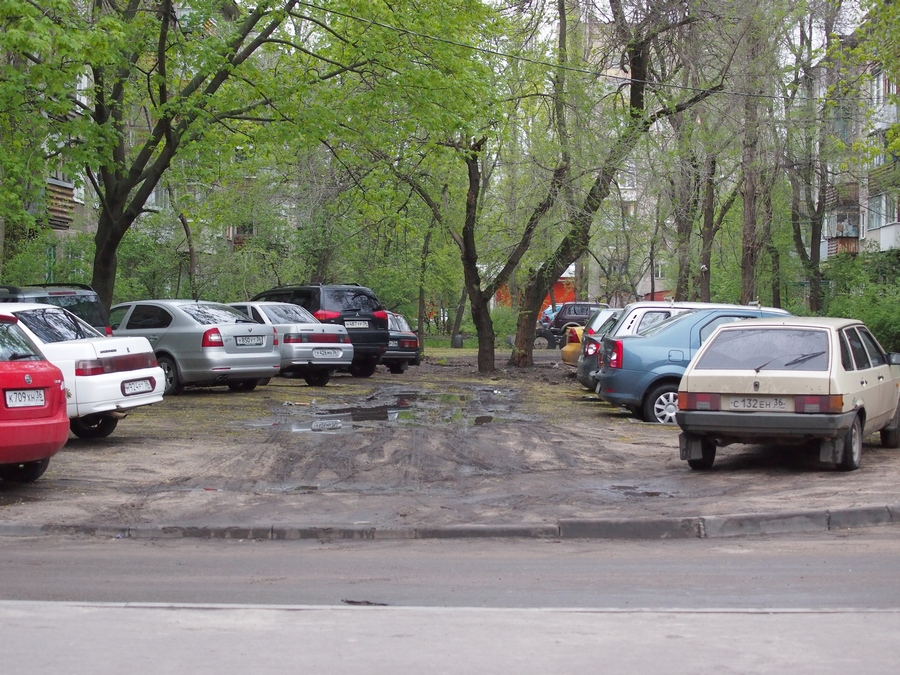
{"x": 24, "y": 472}
{"x": 637, "y": 411}
{"x": 170, "y": 370}
{"x": 852, "y": 447}
{"x": 661, "y": 404}
{"x": 363, "y": 368}
{"x": 890, "y": 435}
{"x": 93, "y": 426}
{"x": 243, "y": 385}
{"x": 709, "y": 457}
{"x": 398, "y": 368}
{"x": 263, "y": 382}
{"x": 317, "y": 378}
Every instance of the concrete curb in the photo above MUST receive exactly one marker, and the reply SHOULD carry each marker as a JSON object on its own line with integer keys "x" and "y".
{"x": 699, "y": 527}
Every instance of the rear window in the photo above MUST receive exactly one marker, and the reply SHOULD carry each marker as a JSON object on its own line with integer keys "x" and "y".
{"x": 209, "y": 314}
{"x": 53, "y": 324}
{"x": 15, "y": 345}
{"x": 349, "y": 299}
{"x": 85, "y": 306}
{"x": 767, "y": 349}
{"x": 287, "y": 314}
{"x": 398, "y": 323}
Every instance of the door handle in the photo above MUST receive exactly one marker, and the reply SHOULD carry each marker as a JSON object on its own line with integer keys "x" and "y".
{"x": 881, "y": 378}
{"x": 864, "y": 382}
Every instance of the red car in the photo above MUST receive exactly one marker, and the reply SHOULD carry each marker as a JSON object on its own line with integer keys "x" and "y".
{"x": 34, "y": 424}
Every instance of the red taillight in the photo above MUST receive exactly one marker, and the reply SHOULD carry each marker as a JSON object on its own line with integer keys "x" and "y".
{"x": 276, "y": 336}
{"x": 322, "y": 315}
{"x": 818, "y": 404}
{"x": 615, "y": 355}
{"x": 115, "y": 364}
{"x": 108, "y": 331}
{"x": 380, "y": 314}
{"x": 572, "y": 336}
{"x": 412, "y": 343}
{"x": 591, "y": 348}
{"x": 697, "y": 401}
{"x": 212, "y": 338}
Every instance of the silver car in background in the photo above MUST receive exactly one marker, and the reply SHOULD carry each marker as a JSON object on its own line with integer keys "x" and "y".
{"x": 309, "y": 349}
{"x": 199, "y": 343}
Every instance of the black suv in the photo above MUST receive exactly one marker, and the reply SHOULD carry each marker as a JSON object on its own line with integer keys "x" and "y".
{"x": 80, "y": 299}
{"x": 573, "y": 314}
{"x": 350, "y": 305}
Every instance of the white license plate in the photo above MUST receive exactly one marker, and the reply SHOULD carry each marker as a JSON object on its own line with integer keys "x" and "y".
{"x": 393, "y": 343}
{"x": 356, "y": 324}
{"x": 326, "y": 353}
{"x": 772, "y": 403}
{"x": 326, "y": 425}
{"x": 136, "y": 387}
{"x": 24, "y": 398}
{"x": 250, "y": 340}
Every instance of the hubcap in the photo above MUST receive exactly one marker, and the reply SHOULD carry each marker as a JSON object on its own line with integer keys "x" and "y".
{"x": 665, "y": 408}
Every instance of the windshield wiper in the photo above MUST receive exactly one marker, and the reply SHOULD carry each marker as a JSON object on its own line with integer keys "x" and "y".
{"x": 803, "y": 357}
{"x": 21, "y": 356}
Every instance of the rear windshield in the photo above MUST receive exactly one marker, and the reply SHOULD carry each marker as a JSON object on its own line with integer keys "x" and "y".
{"x": 398, "y": 323}
{"x": 84, "y": 306}
{"x": 15, "y": 345}
{"x": 349, "y": 298}
{"x": 52, "y": 324}
{"x": 207, "y": 314}
{"x": 287, "y": 314}
{"x": 767, "y": 349}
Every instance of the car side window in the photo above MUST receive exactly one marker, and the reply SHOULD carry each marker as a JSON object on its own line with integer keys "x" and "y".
{"x": 256, "y": 316}
{"x": 875, "y": 353}
{"x": 116, "y": 315}
{"x": 846, "y": 358}
{"x": 652, "y": 318}
{"x": 708, "y": 329}
{"x": 148, "y": 317}
{"x": 857, "y": 349}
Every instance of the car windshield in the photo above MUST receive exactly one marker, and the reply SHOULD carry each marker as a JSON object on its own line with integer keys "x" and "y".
{"x": 350, "y": 298}
{"x": 665, "y": 323}
{"x": 53, "y": 324}
{"x": 287, "y": 314}
{"x": 207, "y": 314}
{"x": 767, "y": 348}
{"x": 15, "y": 345}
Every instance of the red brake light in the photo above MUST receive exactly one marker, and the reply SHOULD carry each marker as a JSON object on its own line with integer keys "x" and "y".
{"x": 697, "y": 401}
{"x": 108, "y": 331}
{"x": 115, "y": 364}
{"x": 572, "y": 336}
{"x": 323, "y": 315}
{"x": 818, "y": 404}
{"x": 615, "y": 356}
{"x": 380, "y": 314}
{"x": 212, "y": 338}
{"x": 410, "y": 343}
{"x": 276, "y": 336}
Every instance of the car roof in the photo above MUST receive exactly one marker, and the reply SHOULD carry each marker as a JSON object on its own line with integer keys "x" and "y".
{"x": 22, "y": 306}
{"x": 797, "y": 322}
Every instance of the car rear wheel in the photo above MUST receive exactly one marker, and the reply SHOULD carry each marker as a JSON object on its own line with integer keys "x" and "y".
{"x": 709, "y": 456}
{"x": 852, "y": 447}
{"x": 398, "y": 368}
{"x": 662, "y": 404}
{"x": 24, "y": 472}
{"x": 363, "y": 368}
{"x": 317, "y": 378}
{"x": 93, "y": 426}
{"x": 170, "y": 370}
{"x": 890, "y": 435}
{"x": 243, "y": 385}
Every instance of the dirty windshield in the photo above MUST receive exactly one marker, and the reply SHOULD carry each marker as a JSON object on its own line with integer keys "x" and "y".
{"x": 767, "y": 349}
{"x": 207, "y": 314}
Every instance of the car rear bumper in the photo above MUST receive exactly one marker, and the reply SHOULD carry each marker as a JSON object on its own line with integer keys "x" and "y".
{"x": 33, "y": 439}
{"x": 753, "y": 427}
{"x": 103, "y": 393}
{"x": 319, "y": 356}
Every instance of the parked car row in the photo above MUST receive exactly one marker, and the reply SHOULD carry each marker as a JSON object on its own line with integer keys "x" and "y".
{"x": 742, "y": 374}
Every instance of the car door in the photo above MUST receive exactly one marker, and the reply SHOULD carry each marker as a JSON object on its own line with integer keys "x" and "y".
{"x": 881, "y": 378}
{"x": 146, "y": 320}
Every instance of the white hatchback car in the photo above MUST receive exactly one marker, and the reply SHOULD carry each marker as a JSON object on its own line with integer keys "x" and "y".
{"x": 105, "y": 377}
{"x": 797, "y": 380}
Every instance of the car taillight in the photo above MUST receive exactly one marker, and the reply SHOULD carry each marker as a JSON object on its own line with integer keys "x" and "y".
{"x": 212, "y": 338}
{"x": 572, "y": 336}
{"x": 108, "y": 331}
{"x": 275, "y": 331}
{"x": 303, "y": 338}
{"x": 698, "y": 401}
{"x": 323, "y": 315}
{"x": 615, "y": 355}
{"x": 818, "y": 404}
{"x": 115, "y": 364}
{"x": 380, "y": 314}
{"x": 591, "y": 348}
{"x": 409, "y": 343}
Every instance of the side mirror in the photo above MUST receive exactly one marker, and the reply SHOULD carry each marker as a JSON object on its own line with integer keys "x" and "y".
{"x": 894, "y": 358}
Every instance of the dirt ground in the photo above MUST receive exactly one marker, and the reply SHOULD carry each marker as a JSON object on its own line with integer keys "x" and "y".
{"x": 438, "y": 445}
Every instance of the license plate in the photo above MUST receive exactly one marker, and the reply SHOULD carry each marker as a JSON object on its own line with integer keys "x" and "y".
{"x": 393, "y": 343}
{"x": 326, "y": 353}
{"x": 758, "y": 403}
{"x": 250, "y": 340}
{"x": 24, "y": 398}
{"x": 356, "y": 324}
{"x": 136, "y": 387}
{"x": 326, "y": 425}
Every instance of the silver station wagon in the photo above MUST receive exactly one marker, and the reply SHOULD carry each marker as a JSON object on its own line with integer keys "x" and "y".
{"x": 200, "y": 343}
{"x": 811, "y": 381}
{"x": 309, "y": 349}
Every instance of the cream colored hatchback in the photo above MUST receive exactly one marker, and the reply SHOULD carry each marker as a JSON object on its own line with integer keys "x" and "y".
{"x": 789, "y": 381}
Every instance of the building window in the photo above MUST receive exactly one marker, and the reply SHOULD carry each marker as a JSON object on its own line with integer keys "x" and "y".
{"x": 876, "y": 212}
{"x": 658, "y": 270}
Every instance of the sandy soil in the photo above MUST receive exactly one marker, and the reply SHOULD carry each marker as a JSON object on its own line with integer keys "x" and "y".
{"x": 437, "y": 445}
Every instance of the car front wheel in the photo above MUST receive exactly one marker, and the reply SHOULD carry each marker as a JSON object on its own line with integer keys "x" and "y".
{"x": 852, "y": 447}
{"x": 24, "y": 472}
{"x": 93, "y": 426}
{"x": 662, "y": 404}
